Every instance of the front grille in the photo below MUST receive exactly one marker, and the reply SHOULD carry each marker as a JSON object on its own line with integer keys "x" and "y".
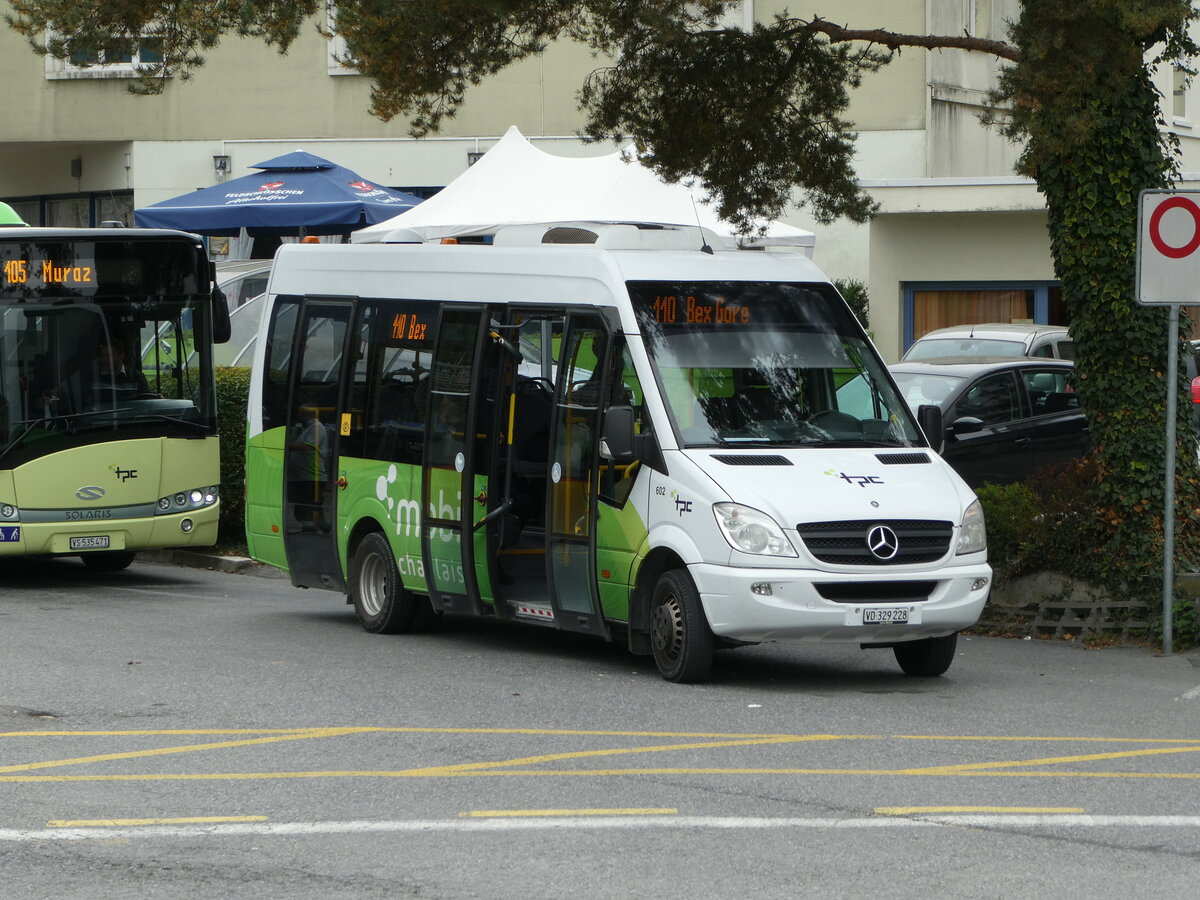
{"x": 845, "y": 543}
{"x": 876, "y": 591}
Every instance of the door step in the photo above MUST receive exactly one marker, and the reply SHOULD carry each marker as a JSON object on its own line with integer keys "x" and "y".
{"x": 534, "y": 612}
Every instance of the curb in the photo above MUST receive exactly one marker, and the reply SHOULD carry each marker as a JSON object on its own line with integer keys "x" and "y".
{"x": 231, "y": 564}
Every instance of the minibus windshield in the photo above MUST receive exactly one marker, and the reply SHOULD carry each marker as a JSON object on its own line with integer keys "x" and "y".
{"x": 767, "y": 364}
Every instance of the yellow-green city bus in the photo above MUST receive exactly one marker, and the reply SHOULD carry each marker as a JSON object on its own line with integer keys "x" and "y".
{"x": 611, "y": 429}
{"x": 108, "y": 430}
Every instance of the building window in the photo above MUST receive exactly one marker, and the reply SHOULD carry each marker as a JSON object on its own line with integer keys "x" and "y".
{"x": 115, "y": 207}
{"x": 68, "y": 212}
{"x": 148, "y": 55}
{"x": 930, "y": 306}
{"x": 76, "y": 210}
{"x": 1179, "y": 92}
{"x": 335, "y": 47}
{"x": 977, "y": 18}
{"x": 30, "y": 211}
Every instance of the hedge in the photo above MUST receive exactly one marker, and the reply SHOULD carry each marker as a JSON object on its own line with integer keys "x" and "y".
{"x": 233, "y": 388}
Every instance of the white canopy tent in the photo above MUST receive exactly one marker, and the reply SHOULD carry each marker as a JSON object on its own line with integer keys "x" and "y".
{"x": 515, "y": 183}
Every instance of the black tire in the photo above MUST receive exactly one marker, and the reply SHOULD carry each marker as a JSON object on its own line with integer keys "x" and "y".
{"x": 108, "y": 560}
{"x": 381, "y": 603}
{"x": 926, "y": 658}
{"x": 679, "y": 634}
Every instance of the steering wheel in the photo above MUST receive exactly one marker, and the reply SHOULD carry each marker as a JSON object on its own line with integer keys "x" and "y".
{"x": 835, "y": 420}
{"x": 542, "y": 384}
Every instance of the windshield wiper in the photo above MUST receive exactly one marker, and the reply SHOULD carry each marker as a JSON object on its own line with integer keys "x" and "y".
{"x": 195, "y": 426}
{"x": 32, "y": 424}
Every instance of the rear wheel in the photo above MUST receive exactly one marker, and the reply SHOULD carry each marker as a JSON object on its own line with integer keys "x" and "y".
{"x": 108, "y": 560}
{"x": 679, "y": 632}
{"x": 926, "y": 658}
{"x": 381, "y": 603}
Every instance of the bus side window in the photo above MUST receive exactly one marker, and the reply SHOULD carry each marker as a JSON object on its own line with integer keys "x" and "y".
{"x": 390, "y": 390}
{"x": 279, "y": 353}
{"x": 625, "y": 389}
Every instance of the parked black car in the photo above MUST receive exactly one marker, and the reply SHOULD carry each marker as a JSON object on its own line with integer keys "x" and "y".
{"x": 1003, "y": 417}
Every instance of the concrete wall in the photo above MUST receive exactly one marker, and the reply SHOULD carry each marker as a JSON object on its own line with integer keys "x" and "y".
{"x": 916, "y": 247}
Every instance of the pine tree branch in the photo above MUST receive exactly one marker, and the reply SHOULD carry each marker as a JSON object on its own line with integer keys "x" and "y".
{"x": 894, "y": 40}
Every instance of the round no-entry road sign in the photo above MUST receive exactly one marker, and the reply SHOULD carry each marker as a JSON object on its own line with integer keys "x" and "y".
{"x": 1168, "y": 249}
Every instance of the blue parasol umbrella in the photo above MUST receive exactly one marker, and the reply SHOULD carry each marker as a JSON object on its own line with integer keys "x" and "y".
{"x": 296, "y": 193}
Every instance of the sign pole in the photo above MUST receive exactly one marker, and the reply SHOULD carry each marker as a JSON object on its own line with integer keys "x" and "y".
{"x": 1168, "y": 590}
{"x": 1168, "y": 267}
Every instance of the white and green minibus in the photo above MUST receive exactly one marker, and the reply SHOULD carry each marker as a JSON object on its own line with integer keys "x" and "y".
{"x": 610, "y": 429}
{"x": 108, "y": 426}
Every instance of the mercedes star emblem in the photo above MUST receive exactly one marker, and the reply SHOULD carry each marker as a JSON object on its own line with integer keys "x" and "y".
{"x": 882, "y": 542}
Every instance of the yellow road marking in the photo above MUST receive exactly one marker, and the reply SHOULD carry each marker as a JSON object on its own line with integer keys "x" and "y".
{"x": 187, "y": 820}
{"x": 402, "y": 730}
{"x": 1032, "y": 739}
{"x": 521, "y": 766}
{"x": 518, "y": 813}
{"x": 917, "y": 810}
{"x": 165, "y": 751}
{"x": 585, "y": 773}
{"x": 611, "y": 751}
{"x": 1055, "y": 760}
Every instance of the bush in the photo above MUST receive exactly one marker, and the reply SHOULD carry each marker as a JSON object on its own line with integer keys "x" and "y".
{"x": 1013, "y": 514}
{"x": 233, "y": 389}
{"x": 855, "y": 294}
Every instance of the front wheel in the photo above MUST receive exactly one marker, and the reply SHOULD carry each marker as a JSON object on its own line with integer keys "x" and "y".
{"x": 679, "y": 632}
{"x": 381, "y": 603}
{"x": 926, "y": 658}
{"x": 108, "y": 560}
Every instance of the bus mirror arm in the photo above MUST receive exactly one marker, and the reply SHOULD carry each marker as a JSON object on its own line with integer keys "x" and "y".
{"x": 621, "y": 445}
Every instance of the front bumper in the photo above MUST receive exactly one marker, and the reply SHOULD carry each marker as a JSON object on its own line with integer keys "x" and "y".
{"x": 794, "y": 610}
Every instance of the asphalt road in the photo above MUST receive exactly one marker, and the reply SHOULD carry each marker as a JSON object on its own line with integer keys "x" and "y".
{"x": 173, "y": 732}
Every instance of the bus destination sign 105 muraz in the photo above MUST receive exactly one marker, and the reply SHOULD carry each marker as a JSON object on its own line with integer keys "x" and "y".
{"x": 33, "y": 273}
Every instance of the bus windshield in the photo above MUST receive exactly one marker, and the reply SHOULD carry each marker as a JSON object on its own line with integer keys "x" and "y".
{"x": 767, "y": 364}
{"x": 98, "y": 340}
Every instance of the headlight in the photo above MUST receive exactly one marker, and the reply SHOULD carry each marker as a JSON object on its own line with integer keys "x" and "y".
{"x": 186, "y": 501}
{"x": 751, "y": 531}
{"x": 972, "y": 538}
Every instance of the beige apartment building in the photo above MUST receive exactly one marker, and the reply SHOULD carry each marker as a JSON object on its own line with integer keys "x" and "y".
{"x": 959, "y": 237}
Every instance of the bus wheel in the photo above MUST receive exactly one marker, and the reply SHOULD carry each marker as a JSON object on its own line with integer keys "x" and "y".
{"x": 108, "y": 560}
{"x": 926, "y": 658}
{"x": 380, "y": 601}
{"x": 679, "y": 632}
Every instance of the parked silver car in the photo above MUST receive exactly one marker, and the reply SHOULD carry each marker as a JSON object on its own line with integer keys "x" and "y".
{"x": 993, "y": 339}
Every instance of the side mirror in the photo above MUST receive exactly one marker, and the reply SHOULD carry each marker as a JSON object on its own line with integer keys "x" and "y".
{"x": 220, "y": 316}
{"x": 618, "y": 442}
{"x": 966, "y": 425}
{"x": 929, "y": 417}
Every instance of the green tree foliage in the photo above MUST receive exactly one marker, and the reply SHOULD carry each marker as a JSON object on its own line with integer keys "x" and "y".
{"x": 856, "y": 295}
{"x": 759, "y": 118}
{"x": 1089, "y": 117}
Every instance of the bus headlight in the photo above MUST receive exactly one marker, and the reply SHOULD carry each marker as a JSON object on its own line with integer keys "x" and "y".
{"x": 972, "y": 537}
{"x": 8, "y": 513}
{"x": 751, "y": 531}
{"x": 188, "y": 501}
